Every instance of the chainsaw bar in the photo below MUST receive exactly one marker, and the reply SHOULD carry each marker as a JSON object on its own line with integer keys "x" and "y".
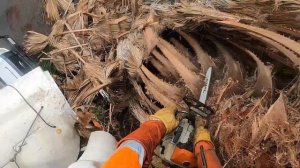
{"x": 199, "y": 107}
{"x": 176, "y": 148}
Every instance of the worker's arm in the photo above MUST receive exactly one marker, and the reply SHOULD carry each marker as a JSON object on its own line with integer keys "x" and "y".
{"x": 208, "y": 155}
{"x": 136, "y": 149}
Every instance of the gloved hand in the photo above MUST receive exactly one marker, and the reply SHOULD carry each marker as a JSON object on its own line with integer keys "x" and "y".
{"x": 203, "y": 140}
{"x": 201, "y": 133}
{"x": 167, "y": 116}
{"x": 151, "y": 132}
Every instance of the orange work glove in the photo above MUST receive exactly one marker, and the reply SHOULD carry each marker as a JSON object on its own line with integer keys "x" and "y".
{"x": 167, "y": 116}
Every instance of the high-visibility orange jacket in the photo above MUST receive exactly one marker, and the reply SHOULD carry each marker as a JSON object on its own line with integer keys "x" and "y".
{"x": 136, "y": 149}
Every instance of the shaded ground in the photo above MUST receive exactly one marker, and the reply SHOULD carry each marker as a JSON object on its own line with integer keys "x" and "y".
{"x": 19, "y": 16}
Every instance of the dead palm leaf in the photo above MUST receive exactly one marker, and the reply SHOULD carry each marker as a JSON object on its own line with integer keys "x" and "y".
{"x": 67, "y": 50}
{"x": 203, "y": 58}
{"x": 264, "y": 81}
{"x": 67, "y": 6}
{"x": 288, "y": 5}
{"x": 79, "y": 20}
{"x": 185, "y": 60}
{"x": 276, "y": 118}
{"x": 209, "y": 13}
{"x": 138, "y": 112}
{"x": 288, "y": 53}
{"x": 151, "y": 39}
{"x": 51, "y": 9}
{"x": 165, "y": 62}
{"x": 90, "y": 92}
{"x": 159, "y": 96}
{"x": 63, "y": 61}
{"x": 102, "y": 40}
{"x": 180, "y": 47}
{"x": 172, "y": 91}
{"x": 160, "y": 67}
{"x": 191, "y": 79}
{"x": 135, "y": 65}
{"x": 233, "y": 67}
{"x": 35, "y": 42}
{"x": 288, "y": 43}
{"x": 95, "y": 71}
{"x": 143, "y": 98}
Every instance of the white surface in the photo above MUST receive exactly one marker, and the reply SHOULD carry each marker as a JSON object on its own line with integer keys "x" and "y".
{"x": 3, "y": 50}
{"x": 11, "y": 41}
{"x": 45, "y": 147}
{"x": 7, "y": 73}
{"x": 100, "y": 147}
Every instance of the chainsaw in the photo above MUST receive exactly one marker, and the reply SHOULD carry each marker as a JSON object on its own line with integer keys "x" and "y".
{"x": 176, "y": 148}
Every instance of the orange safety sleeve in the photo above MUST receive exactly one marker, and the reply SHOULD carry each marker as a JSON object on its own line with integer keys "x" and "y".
{"x": 149, "y": 135}
{"x": 123, "y": 158}
{"x": 212, "y": 159}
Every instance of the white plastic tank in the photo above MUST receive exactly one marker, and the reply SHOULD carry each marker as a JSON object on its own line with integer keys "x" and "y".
{"x": 31, "y": 141}
{"x": 100, "y": 147}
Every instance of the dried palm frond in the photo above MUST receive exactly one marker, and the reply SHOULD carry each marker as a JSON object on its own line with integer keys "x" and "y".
{"x": 174, "y": 92}
{"x": 159, "y": 96}
{"x": 135, "y": 65}
{"x": 288, "y": 43}
{"x": 72, "y": 85}
{"x": 67, "y": 5}
{"x": 94, "y": 89}
{"x": 145, "y": 53}
{"x": 191, "y": 79}
{"x": 94, "y": 70}
{"x": 165, "y": 62}
{"x": 64, "y": 62}
{"x": 129, "y": 5}
{"x": 79, "y": 20}
{"x": 203, "y": 58}
{"x": 57, "y": 29}
{"x": 180, "y": 47}
{"x": 132, "y": 55}
{"x": 268, "y": 13}
{"x": 35, "y": 42}
{"x": 208, "y": 13}
{"x": 160, "y": 67}
{"x": 288, "y": 53}
{"x": 151, "y": 39}
{"x": 143, "y": 98}
{"x": 288, "y": 3}
{"x": 274, "y": 119}
{"x": 138, "y": 112}
{"x": 51, "y": 9}
{"x": 264, "y": 82}
{"x": 186, "y": 61}
{"x": 97, "y": 81}
{"x": 234, "y": 67}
